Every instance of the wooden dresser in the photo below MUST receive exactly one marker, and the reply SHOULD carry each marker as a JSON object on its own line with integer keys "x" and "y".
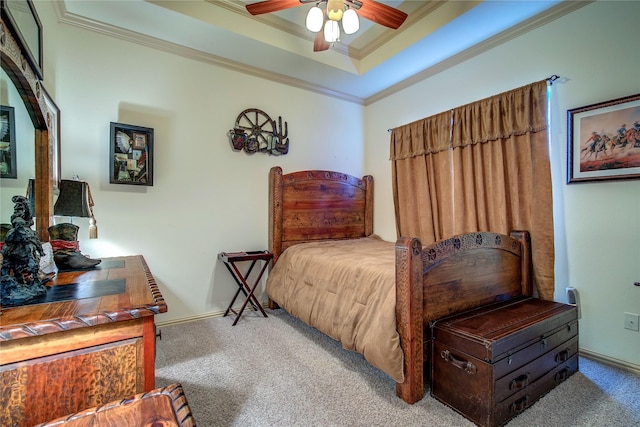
{"x": 90, "y": 342}
{"x": 492, "y": 363}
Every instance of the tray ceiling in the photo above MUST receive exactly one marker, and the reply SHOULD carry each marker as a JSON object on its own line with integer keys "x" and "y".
{"x": 361, "y": 68}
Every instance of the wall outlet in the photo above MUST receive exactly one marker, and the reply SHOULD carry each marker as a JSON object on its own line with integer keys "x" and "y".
{"x": 631, "y": 321}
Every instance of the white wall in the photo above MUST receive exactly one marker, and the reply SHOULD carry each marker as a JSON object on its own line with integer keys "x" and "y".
{"x": 206, "y": 198}
{"x": 596, "y": 51}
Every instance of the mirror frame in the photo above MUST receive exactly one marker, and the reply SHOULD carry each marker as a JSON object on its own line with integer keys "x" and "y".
{"x": 24, "y": 33}
{"x": 31, "y": 91}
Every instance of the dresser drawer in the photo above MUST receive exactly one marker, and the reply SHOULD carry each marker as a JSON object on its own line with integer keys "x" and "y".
{"x": 532, "y": 371}
{"x": 517, "y": 403}
{"x": 548, "y": 341}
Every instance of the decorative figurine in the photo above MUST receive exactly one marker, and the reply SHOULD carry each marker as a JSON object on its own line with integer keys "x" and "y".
{"x": 19, "y": 279}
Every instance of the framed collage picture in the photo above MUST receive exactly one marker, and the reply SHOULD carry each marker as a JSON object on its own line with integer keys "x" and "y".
{"x": 131, "y": 149}
{"x": 7, "y": 143}
{"x": 604, "y": 141}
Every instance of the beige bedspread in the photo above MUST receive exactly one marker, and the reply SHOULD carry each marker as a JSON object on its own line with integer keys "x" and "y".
{"x": 345, "y": 289}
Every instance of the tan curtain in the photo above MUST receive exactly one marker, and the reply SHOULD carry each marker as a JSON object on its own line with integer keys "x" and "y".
{"x": 480, "y": 167}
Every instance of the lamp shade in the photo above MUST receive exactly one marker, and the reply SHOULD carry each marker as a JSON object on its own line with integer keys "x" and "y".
{"x": 350, "y": 21}
{"x": 73, "y": 199}
{"x": 331, "y": 31}
{"x": 315, "y": 19}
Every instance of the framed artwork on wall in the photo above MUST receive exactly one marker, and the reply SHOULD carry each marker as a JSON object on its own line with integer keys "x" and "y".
{"x": 7, "y": 143}
{"x": 131, "y": 155}
{"x": 604, "y": 141}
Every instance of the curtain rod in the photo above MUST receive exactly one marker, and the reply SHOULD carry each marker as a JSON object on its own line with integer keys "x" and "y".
{"x": 552, "y": 78}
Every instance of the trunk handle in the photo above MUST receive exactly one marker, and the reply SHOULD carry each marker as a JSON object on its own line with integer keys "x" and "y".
{"x": 466, "y": 366}
{"x": 519, "y": 405}
{"x": 562, "y": 356}
{"x": 520, "y": 382}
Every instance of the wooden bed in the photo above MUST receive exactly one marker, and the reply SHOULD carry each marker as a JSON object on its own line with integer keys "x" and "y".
{"x": 453, "y": 275}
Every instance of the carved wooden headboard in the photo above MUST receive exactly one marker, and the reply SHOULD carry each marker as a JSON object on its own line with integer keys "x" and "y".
{"x": 317, "y": 205}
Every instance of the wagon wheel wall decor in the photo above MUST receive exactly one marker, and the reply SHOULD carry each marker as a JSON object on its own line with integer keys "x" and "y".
{"x": 254, "y": 131}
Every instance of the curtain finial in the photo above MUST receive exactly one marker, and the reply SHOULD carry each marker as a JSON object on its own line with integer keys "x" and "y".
{"x": 552, "y": 79}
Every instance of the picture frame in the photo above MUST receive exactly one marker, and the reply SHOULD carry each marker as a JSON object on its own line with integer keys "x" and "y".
{"x": 131, "y": 154}
{"x": 53, "y": 126}
{"x": 21, "y": 15}
{"x": 603, "y": 141}
{"x": 8, "y": 156}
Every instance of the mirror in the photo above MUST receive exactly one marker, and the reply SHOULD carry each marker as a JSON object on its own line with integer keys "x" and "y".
{"x": 25, "y": 25}
{"x": 22, "y": 78}
{"x": 17, "y": 151}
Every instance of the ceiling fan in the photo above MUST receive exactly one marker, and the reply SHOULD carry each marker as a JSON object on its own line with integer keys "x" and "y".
{"x": 368, "y": 9}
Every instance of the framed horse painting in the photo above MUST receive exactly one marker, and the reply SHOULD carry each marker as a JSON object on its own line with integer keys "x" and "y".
{"x": 604, "y": 141}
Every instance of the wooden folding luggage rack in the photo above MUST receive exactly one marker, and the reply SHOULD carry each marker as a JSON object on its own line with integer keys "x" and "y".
{"x": 230, "y": 259}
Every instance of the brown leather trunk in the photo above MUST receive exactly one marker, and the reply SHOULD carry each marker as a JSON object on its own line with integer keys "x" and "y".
{"x": 492, "y": 363}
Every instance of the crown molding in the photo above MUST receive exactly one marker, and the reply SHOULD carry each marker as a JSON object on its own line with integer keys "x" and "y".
{"x": 546, "y": 17}
{"x": 564, "y": 8}
{"x": 69, "y": 18}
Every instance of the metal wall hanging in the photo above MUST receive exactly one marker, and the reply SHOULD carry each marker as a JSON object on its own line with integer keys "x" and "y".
{"x": 255, "y": 132}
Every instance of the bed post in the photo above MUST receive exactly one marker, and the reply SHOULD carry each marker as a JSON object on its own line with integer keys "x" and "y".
{"x": 525, "y": 241}
{"x": 275, "y": 218}
{"x": 368, "y": 205}
{"x": 409, "y": 317}
{"x": 275, "y": 211}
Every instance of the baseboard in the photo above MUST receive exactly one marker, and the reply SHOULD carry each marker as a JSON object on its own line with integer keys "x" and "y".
{"x": 190, "y": 319}
{"x": 200, "y": 317}
{"x": 611, "y": 361}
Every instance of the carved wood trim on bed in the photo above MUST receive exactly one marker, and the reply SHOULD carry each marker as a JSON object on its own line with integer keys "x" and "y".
{"x": 486, "y": 266}
{"x": 409, "y": 317}
{"x": 453, "y": 275}
{"x": 456, "y": 274}
{"x": 320, "y": 205}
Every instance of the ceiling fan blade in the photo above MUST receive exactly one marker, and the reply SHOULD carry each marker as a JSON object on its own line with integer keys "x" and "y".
{"x": 269, "y": 6}
{"x": 319, "y": 43}
{"x": 382, "y": 14}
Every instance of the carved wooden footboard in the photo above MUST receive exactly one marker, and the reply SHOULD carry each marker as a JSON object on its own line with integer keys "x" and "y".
{"x": 448, "y": 277}
{"x": 453, "y": 275}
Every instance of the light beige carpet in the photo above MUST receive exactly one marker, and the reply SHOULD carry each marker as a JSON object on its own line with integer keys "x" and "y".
{"x": 280, "y": 372}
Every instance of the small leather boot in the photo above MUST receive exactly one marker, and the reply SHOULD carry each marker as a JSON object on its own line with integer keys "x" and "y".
{"x": 66, "y": 248}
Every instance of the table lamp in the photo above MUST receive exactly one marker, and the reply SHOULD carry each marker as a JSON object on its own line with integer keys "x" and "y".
{"x": 74, "y": 200}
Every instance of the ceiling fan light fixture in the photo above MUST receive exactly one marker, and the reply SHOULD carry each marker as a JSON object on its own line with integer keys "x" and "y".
{"x": 315, "y": 19}
{"x": 331, "y": 31}
{"x": 350, "y": 21}
{"x": 335, "y": 10}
